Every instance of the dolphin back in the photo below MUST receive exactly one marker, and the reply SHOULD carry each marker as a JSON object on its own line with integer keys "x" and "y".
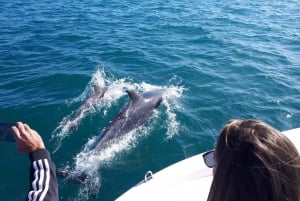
{"x": 136, "y": 112}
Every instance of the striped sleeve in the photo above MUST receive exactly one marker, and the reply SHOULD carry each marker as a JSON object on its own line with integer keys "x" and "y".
{"x": 43, "y": 183}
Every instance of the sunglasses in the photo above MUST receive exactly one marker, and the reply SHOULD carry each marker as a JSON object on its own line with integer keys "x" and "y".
{"x": 209, "y": 158}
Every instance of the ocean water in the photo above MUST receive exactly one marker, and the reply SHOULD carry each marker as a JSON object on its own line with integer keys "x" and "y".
{"x": 215, "y": 60}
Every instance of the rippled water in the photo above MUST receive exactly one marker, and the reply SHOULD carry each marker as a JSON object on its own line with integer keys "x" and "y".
{"x": 217, "y": 59}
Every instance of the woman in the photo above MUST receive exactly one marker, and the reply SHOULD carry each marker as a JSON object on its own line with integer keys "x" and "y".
{"x": 255, "y": 162}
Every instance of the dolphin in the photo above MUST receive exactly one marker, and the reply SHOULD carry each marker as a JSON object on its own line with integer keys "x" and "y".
{"x": 98, "y": 92}
{"x": 131, "y": 116}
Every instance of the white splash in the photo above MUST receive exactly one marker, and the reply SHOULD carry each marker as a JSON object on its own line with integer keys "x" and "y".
{"x": 171, "y": 96}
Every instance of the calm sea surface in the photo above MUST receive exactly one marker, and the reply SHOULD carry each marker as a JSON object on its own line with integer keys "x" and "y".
{"x": 215, "y": 60}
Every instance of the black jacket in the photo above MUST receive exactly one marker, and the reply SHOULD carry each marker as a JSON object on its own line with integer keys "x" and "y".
{"x": 43, "y": 183}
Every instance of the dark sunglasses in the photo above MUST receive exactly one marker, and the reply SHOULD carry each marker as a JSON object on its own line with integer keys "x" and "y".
{"x": 209, "y": 158}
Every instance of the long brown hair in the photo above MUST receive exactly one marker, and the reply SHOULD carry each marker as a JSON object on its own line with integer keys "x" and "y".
{"x": 255, "y": 162}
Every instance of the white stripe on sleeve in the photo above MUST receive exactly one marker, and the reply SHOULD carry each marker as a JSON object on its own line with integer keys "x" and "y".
{"x": 40, "y": 184}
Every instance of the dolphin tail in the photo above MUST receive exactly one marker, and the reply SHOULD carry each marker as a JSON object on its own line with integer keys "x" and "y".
{"x": 88, "y": 181}
{"x": 76, "y": 177}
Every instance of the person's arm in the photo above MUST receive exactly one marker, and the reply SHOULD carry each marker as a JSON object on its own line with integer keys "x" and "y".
{"x": 43, "y": 182}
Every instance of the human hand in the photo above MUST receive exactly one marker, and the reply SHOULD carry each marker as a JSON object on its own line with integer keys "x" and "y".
{"x": 27, "y": 139}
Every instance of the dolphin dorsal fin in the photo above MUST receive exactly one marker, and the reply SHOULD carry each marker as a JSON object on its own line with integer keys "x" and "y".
{"x": 132, "y": 95}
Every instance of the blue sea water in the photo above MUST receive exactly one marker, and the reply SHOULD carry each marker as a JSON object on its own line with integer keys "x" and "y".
{"x": 216, "y": 60}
